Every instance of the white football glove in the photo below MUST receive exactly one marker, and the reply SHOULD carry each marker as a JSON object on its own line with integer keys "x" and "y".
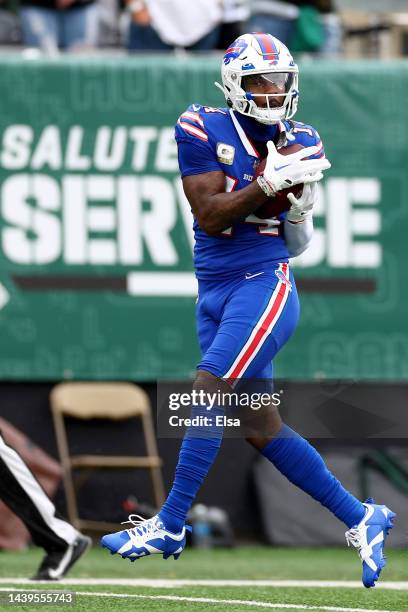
{"x": 283, "y": 171}
{"x": 302, "y": 206}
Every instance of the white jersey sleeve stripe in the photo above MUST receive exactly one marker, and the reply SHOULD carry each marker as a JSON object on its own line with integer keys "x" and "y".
{"x": 319, "y": 152}
{"x": 193, "y": 117}
{"x": 191, "y": 129}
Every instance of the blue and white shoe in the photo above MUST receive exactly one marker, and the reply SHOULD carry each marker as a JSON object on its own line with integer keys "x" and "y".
{"x": 369, "y": 537}
{"x": 146, "y": 537}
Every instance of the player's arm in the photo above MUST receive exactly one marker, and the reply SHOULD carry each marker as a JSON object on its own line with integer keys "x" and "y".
{"x": 298, "y": 226}
{"x": 204, "y": 181}
{"x": 216, "y": 210}
{"x": 298, "y": 236}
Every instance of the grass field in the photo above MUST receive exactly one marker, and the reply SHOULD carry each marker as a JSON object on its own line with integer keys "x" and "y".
{"x": 240, "y": 579}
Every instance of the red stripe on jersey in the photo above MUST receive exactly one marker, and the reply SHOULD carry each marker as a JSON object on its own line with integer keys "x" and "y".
{"x": 257, "y": 340}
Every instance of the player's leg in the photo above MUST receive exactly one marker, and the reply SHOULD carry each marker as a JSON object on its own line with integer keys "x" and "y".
{"x": 200, "y": 444}
{"x": 165, "y": 533}
{"x": 198, "y": 452}
{"x": 294, "y": 456}
{"x": 22, "y": 493}
{"x": 261, "y": 315}
{"x": 291, "y": 454}
{"x": 368, "y": 524}
{"x": 257, "y": 321}
{"x": 227, "y": 317}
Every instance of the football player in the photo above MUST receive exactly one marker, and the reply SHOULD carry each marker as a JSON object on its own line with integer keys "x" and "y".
{"x": 248, "y": 305}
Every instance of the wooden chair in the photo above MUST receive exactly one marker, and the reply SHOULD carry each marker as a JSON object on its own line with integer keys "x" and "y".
{"x": 100, "y": 400}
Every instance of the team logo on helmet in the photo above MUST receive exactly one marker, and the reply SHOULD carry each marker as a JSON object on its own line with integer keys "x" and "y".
{"x": 237, "y": 47}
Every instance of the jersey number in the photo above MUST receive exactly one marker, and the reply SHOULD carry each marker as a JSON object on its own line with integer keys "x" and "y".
{"x": 268, "y": 227}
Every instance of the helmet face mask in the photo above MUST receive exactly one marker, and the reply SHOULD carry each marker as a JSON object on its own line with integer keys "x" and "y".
{"x": 259, "y": 68}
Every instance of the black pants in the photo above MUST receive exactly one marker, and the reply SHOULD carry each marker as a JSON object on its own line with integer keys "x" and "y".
{"x": 23, "y": 494}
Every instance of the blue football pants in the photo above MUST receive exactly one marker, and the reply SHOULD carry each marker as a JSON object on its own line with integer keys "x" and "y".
{"x": 244, "y": 321}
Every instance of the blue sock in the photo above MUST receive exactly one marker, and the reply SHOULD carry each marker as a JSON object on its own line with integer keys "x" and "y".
{"x": 197, "y": 454}
{"x": 300, "y": 462}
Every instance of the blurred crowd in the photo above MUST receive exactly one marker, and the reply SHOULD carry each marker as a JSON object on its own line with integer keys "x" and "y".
{"x": 162, "y": 25}
{"x": 305, "y": 26}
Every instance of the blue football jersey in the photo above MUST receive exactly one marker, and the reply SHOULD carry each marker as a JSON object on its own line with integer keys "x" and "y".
{"x": 214, "y": 139}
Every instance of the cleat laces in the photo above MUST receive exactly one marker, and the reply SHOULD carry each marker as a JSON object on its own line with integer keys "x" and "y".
{"x": 354, "y": 538}
{"x": 357, "y": 538}
{"x": 141, "y": 528}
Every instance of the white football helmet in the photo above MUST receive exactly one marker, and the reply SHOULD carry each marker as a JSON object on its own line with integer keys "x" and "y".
{"x": 254, "y": 61}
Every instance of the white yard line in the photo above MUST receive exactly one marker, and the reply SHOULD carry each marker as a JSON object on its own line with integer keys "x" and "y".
{"x": 159, "y": 583}
{"x": 241, "y": 602}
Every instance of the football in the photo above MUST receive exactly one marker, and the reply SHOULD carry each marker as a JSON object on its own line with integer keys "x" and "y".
{"x": 279, "y": 203}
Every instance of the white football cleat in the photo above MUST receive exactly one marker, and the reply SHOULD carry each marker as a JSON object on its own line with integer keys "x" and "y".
{"x": 369, "y": 537}
{"x": 146, "y": 537}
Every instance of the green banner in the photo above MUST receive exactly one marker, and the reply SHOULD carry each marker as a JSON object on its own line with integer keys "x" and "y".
{"x": 95, "y": 233}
